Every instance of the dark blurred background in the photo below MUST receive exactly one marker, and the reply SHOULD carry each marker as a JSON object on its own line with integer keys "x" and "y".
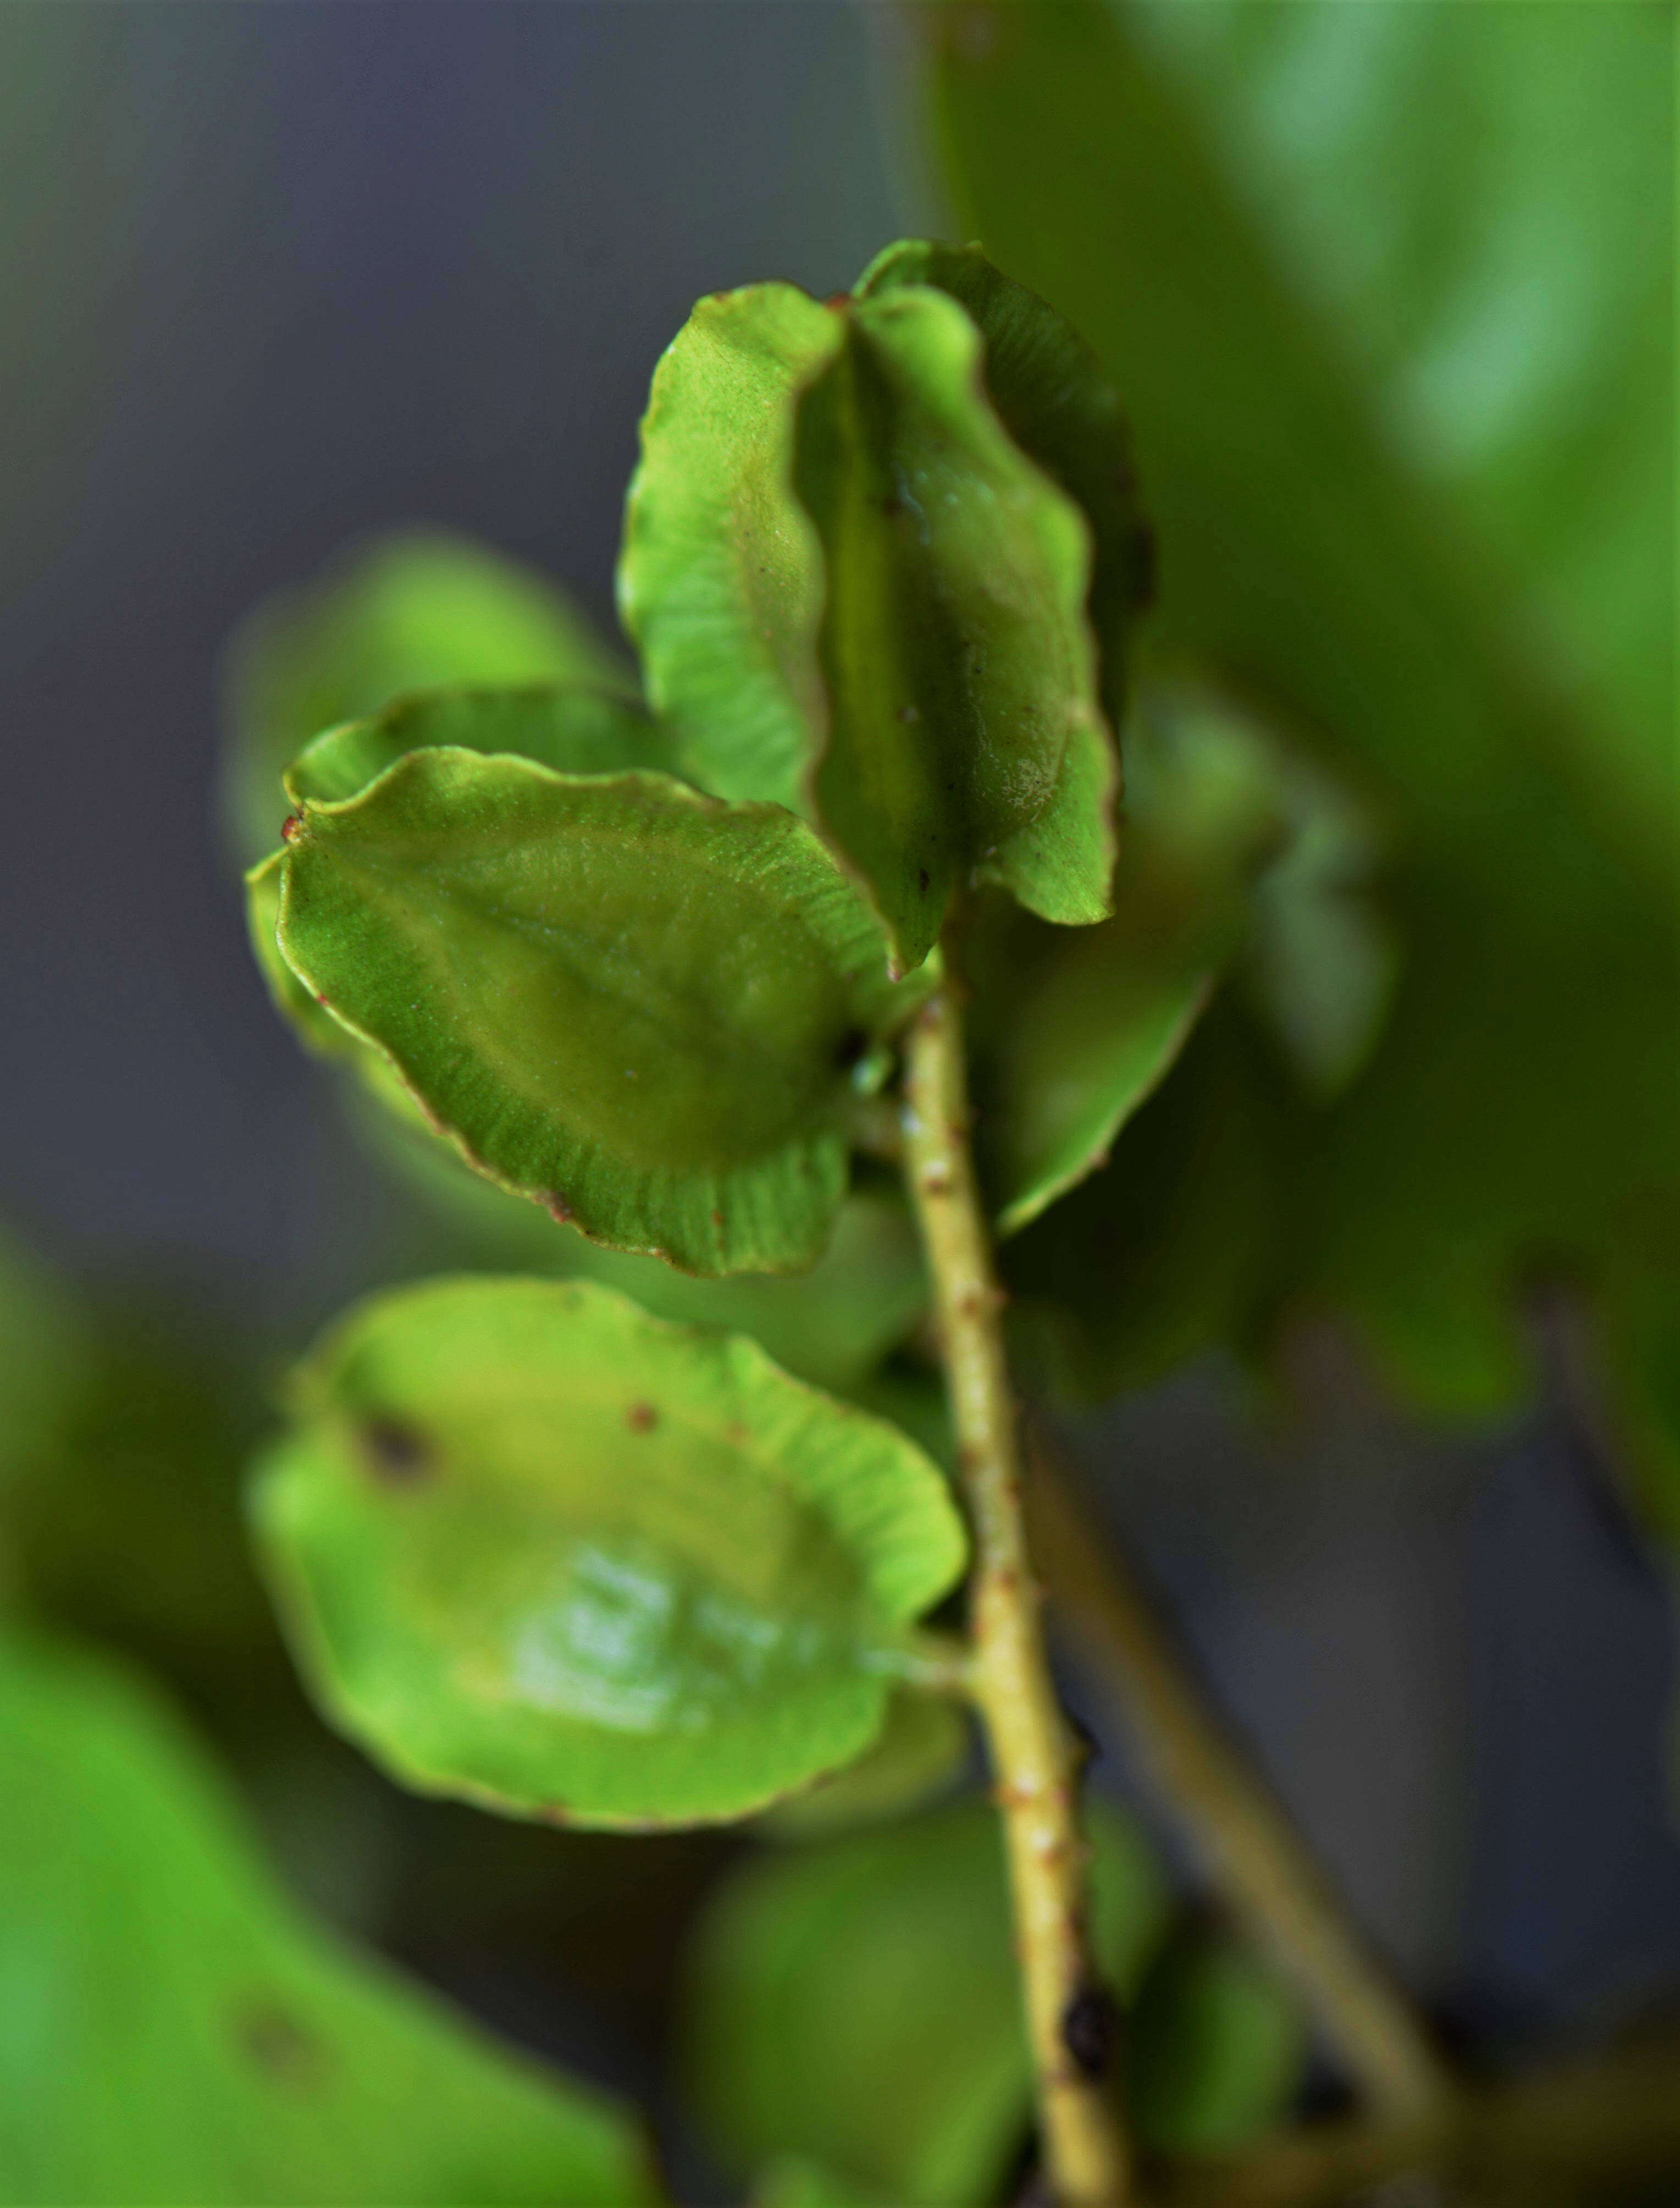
{"x": 275, "y": 275}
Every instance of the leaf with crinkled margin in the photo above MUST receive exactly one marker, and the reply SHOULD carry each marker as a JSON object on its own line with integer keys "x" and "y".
{"x": 571, "y": 727}
{"x": 959, "y": 667}
{"x": 539, "y": 1550}
{"x": 720, "y": 577}
{"x": 1055, "y": 399}
{"x": 635, "y": 1004}
{"x": 856, "y": 597}
{"x": 414, "y": 611}
{"x": 178, "y": 2031}
{"x": 1071, "y": 1029}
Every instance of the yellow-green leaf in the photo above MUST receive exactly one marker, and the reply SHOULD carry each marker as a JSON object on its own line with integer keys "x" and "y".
{"x": 539, "y": 1550}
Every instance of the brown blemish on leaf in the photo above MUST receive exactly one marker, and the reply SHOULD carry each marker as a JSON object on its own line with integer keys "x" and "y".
{"x": 556, "y": 1207}
{"x": 273, "y": 2040}
{"x": 641, "y": 1417}
{"x": 398, "y": 1456}
{"x": 289, "y": 827}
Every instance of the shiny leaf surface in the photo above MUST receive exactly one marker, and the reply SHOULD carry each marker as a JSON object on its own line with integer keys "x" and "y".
{"x": 412, "y": 611}
{"x": 636, "y": 1006}
{"x": 858, "y": 2003}
{"x": 174, "y": 2031}
{"x": 542, "y": 1550}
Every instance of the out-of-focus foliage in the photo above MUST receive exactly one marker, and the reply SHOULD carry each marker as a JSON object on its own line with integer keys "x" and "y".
{"x": 857, "y": 2003}
{"x": 420, "y": 610}
{"x": 1385, "y": 290}
{"x": 175, "y": 2032}
{"x": 1216, "y": 2047}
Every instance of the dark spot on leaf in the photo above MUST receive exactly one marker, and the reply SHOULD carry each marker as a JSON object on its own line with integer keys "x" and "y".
{"x": 289, "y": 827}
{"x": 396, "y": 1454}
{"x": 850, "y": 1049}
{"x": 641, "y": 1417}
{"x": 922, "y": 879}
{"x": 718, "y": 1219}
{"x": 1091, "y": 2030}
{"x": 278, "y": 2044}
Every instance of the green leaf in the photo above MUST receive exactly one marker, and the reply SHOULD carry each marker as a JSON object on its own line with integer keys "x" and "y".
{"x": 855, "y": 596}
{"x": 1054, "y": 398}
{"x": 565, "y": 726}
{"x": 720, "y": 576}
{"x": 412, "y": 611}
{"x": 176, "y": 2032}
{"x": 541, "y": 1551}
{"x": 859, "y": 2004}
{"x": 1215, "y": 2049}
{"x": 922, "y": 1750}
{"x": 1072, "y": 1028}
{"x": 1517, "y": 1110}
{"x": 959, "y": 667}
{"x": 793, "y": 2182}
{"x": 639, "y": 1006}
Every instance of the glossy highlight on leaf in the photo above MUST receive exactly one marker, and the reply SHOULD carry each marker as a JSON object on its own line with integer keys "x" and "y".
{"x": 639, "y": 1006}
{"x": 543, "y": 1552}
{"x": 180, "y": 2034}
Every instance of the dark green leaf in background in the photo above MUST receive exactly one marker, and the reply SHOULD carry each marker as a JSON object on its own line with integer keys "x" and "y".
{"x": 413, "y": 611}
{"x": 540, "y": 1550}
{"x": 177, "y": 2037}
{"x": 1382, "y": 566}
{"x": 1073, "y": 1028}
{"x": 1216, "y": 2047}
{"x": 642, "y": 1008}
{"x": 858, "y": 2003}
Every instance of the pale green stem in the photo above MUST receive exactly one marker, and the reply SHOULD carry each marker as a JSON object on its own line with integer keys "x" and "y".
{"x": 1035, "y": 1765}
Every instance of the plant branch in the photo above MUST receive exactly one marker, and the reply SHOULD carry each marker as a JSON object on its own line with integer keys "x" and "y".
{"x": 1253, "y": 1853}
{"x": 1069, "y": 2020}
{"x": 1608, "y": 2126}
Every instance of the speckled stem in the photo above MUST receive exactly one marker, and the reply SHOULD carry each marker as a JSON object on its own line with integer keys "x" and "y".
{"x": 1069, "y": 2016}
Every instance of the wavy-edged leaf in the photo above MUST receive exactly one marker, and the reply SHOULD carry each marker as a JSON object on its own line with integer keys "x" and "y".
{"x": 640, "y": 1007}
{"x": 720, "y": 577}
{"x": 566, "y": 726}
{"x": 1072, "y": 1028}
{"x": 542, "y": 1550}
{"x": 923, "y": 1748}
{"x": 859, "y": 2004}
{"x": 414, "y": 611}
{"x": 1518, "y": 1109}
{"x": 957, "y": 663}
{"x": 175, "y": 2031}
{"x": 1216, "y": 2048}
{"x": 855, "y": 596}
{"x": 1056, "y": 400}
